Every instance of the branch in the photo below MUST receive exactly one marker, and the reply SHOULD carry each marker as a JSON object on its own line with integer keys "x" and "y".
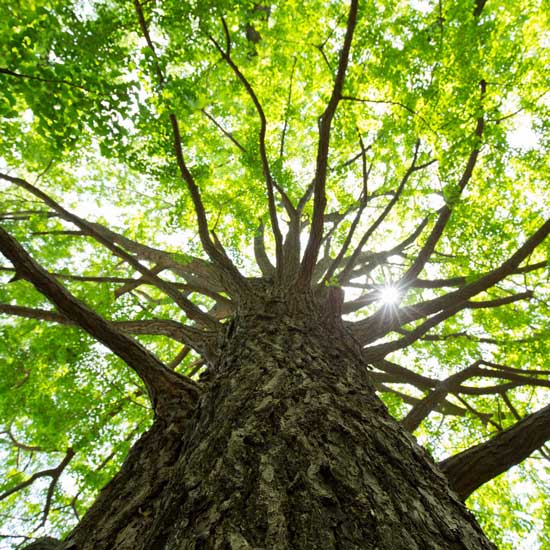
{"x": 412, "y": 168}
{"x": 260, "y": 254}
{"x": 411, "y": 336}
{"x": 445, "y": 407}
{"x": 367, "y": 261}
{"x": 20, "y": 445}
{"x": 227, "y": 134}
{"x": 289, "y": 99}
{"x": 319, "y": 185}
{"x": 209, "y": 276}
{"x": 480, "y": 4}
{"x": 186, "y": 305}
{"x": 26, "y": 214}
{"x": 269, "y": 181}
{"x": 437, "y": 232}
{"x": 129, "y": 284}
{"x": 182, "y": 354}
{"x": 468, "y": 336}
{"x": 363, "y": 201}
{"x": 462, "y": 280}
{"x": 216, "y": 253}
{"x": 53, "y": 473}
{"x": 473, "y": 467}
{"x": 200, "y": 341}
{"x": 161, "y": 383}
{"x": 380, "y": 323}
{"x": 8, "y": 72}
{"x": 53, "y": 483}
{"x": 214, "y": 250}
{"x": 425, "y": 406}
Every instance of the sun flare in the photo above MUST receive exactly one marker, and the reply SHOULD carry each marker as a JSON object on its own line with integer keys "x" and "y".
{"x": 389, "y": 295}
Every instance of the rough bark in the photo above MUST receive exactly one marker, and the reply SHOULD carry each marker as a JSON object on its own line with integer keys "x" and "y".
{"x": 288, "y": 448}
{"x": 475, "y": 466}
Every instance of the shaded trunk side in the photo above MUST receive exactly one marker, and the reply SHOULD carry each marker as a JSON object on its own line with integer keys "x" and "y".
{"x": 124, "y": 511}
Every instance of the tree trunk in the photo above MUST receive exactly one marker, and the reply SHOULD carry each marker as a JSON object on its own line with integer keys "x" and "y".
{"x": 289, "y": 448}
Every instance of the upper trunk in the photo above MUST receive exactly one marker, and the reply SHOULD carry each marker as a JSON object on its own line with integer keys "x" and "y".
{"x": 289, "y": 448}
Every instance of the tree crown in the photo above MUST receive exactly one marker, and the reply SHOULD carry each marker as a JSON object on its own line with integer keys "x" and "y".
{"x": 168, "y": 165}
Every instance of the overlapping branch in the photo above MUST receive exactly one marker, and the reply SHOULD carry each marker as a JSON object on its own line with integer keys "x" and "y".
{"x": 269, "y": 180}
{"x": 163, "y": 385}
{"x": 351, "y": 262}
{"x": 454, "y": 385}
{"x": 54, "y": 475}
{"x": 381, "y": 350}
{"x": 199, "y": 340}
{"x": 186, "y": 305}
{"x": 368, "y": 261}
{"x": 381, "y": 323}
{"x": 319, "y": 183}
{"x": 214, "y": 250}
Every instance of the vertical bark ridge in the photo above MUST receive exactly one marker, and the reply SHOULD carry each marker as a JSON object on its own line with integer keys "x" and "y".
{"x": 122, "y": 515}
{"x": 291, "y": 449}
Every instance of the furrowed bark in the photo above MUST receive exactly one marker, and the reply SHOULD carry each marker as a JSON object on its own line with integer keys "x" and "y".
{"x": 289, "y": 448}
{"x": 472, "y": 468}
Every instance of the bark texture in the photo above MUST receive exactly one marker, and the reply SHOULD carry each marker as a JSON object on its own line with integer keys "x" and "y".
{"x": 288, "y": 448}
{"x": 475, "y": 466}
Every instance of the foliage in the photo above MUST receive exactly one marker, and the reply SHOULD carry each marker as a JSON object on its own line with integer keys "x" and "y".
{"x": 88, "y": 101}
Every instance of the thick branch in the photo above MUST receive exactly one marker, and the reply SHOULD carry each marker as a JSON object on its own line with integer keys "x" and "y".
{"x": 161, "y": 383}
{"x": 191, "y": 309}
{"x": 380, "y": 323}
{"x": 425, "y": 406}
{"x": 214, "y": 251}
{"x": 462, "y": 280}
{"x": 262, "y": 259}
{"x": 472, "y": 468}
{"x": 200, "y": 341}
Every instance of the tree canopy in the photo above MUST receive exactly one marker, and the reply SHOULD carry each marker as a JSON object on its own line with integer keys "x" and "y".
{"x": 158, "y": 157}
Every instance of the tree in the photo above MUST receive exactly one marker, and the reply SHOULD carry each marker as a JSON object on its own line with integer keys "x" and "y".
{"x": 250, "y": 250}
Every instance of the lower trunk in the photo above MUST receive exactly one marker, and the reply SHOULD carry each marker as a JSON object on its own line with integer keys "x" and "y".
{"x": 289, "y": 448}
